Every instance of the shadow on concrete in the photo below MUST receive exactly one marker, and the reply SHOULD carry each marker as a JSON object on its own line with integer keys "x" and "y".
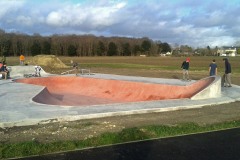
{"x": 220, "y": 145}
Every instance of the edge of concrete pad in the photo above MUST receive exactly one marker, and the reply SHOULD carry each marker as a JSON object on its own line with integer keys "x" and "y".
{"x": 28, "y": 122}
{"x": 141, "y": 111}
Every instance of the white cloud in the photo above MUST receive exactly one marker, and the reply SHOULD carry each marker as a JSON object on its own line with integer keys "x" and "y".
{"x": 180, "y": 21}
{"x": 80, "y": 16}
{"x": 9, "y": 6}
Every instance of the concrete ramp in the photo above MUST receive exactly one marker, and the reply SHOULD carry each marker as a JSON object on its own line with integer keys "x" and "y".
{"x": 19, "y": 71}
{"x": 213, "y": 90}
{"x": 79, "y": 91}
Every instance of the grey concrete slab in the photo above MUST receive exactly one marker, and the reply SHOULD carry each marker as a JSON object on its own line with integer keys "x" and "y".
{"x": 18, "y": 109}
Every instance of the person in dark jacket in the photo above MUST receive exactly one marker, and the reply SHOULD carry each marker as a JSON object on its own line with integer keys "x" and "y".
{"x": 213, "y": 68}
{"x": 185, "y": 67}
{"x": 227, "y": 75}
{"x": 4, "y": 71}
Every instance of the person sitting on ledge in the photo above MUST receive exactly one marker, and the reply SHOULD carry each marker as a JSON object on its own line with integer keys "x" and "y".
{"x": 4, "y": 71}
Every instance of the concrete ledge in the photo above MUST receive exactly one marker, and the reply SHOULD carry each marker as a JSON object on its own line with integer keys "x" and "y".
{"x": 20, "y": 71}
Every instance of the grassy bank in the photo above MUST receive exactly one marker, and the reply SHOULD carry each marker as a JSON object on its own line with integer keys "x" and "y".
{"x": 126, "y": 135}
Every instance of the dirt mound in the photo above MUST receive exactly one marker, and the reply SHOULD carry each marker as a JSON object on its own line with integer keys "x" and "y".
{"x": 48, "y": 60}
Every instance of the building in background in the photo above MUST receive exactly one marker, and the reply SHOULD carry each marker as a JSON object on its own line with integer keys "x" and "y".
{"x": 228, "y": 51}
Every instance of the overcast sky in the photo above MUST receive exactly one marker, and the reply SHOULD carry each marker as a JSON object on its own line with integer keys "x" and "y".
{"x": 197, "y": 23}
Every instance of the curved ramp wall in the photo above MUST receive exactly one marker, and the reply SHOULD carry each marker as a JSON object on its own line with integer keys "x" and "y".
{"x": 212, "y": 91}
{"x": 78, "y": 91}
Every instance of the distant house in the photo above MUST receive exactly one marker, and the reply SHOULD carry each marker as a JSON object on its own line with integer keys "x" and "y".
{"x": 228, "y": 51}
{"x": 166, "y": 54}
{"x": 169, "y": 53}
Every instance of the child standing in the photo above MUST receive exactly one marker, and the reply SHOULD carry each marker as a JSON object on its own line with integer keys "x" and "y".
{"x": 185, "y": 67}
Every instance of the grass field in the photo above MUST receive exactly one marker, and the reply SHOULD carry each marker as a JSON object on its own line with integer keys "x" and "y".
{"x": 159, "y": 63}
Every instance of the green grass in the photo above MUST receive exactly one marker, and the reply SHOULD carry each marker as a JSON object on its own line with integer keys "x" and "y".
{"x": 161, "y": 63}
{"x": 125, "y": 65}
{"x": 136, "y": 66}
{"x": 197, "y": 63}
{"x": 126, "y": 135}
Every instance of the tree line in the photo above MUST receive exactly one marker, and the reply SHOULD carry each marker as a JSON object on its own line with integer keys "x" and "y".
{"x": 15, "y": 44}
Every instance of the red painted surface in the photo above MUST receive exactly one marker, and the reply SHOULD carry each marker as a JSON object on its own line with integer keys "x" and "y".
{"x": 76, "y": 91}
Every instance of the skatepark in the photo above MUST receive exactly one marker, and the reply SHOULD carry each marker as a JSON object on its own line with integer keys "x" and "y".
{"x": 36, "y": 100}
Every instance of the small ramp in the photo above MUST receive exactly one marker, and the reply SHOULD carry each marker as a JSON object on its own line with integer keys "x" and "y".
{"x": 68, "y": 72}
{"x": 81, "y": 71}
{"x": 20, "y": 71}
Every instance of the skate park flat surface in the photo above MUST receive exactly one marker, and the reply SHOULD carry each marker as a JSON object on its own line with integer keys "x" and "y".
{"x": 18, "y": 109}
